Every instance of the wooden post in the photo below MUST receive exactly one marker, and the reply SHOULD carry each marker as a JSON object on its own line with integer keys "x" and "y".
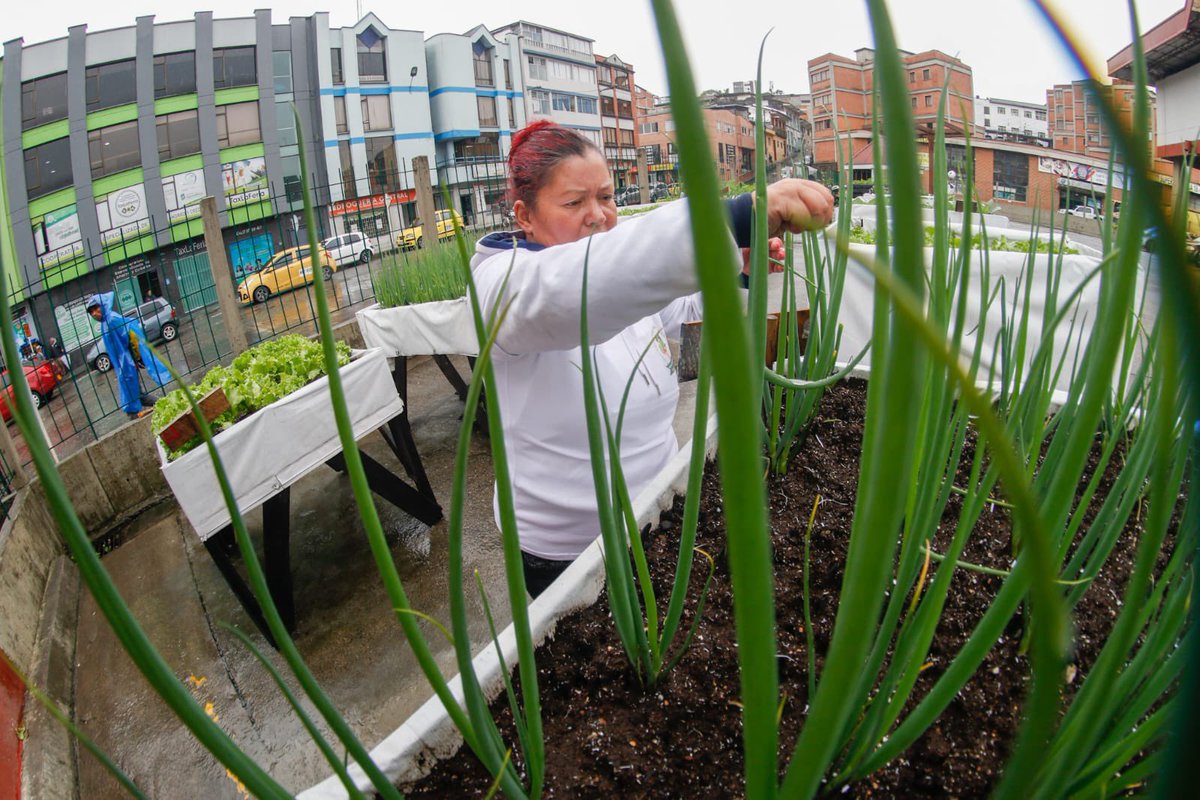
{"x": 644, "y": 177}
{"x": 12, "y": 459}
{"x": 218, "y": 262}
{"x": 426, "y": 210}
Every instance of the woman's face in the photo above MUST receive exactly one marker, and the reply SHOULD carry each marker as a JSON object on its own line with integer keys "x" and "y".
{"x": 575, "y": 202}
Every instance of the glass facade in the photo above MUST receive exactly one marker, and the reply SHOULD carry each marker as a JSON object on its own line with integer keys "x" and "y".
{"x": 174, "y": 74}
{"x": 237, "y": 124}
{"x": 44, "y": 100}
{"x": 48, "y": 167}
{"x": 383, "y": 171}
{"x": 234, "y": 66}
{"x": 109, "y": 85}
{"x": 114, "y": 149}
{"x": 178, "y": 134}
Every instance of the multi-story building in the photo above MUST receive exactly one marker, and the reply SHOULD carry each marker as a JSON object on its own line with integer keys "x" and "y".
{"x": 731, "y": 134}
{"x": 112, "y": 137}
{"x": 1012, "y": 120}
{"x": 618, "y": 127}
{"x": 842, "y": 101}
{"x": 788, "y": 131}
{"x": 559, "y": 73}
{"x": 1075, "y": 120}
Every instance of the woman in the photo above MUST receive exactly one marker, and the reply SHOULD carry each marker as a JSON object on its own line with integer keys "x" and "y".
{"x": 125, "y": 341}
{"x": 641, "y": 286}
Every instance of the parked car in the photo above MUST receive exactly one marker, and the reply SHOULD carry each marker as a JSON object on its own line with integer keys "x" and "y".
{"x": 628, "y": 196}
{"x": 659, "y": 191}
{"x": 288, "y": 269}
{"x": 350, "y": 248}
{"x": 1087, "y": 212}
{"x": 414, "y": 235}
{"x": 157, "y": 317}
{"x": 42, "y": 381}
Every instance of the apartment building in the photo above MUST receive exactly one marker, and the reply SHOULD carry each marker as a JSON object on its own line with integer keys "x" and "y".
{"x": 618, "y": 126}
{"x": 842, "y": 100}
{"x": 1076, "y": 122}
{"x": 1012, "y": 121}
{"x": 559, "y": 73}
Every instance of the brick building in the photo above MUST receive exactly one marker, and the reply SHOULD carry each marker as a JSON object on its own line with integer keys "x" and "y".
{"x": 1076, "y": 124}
{"x": 842, "y": 97}
{"x": 618, "y": 127}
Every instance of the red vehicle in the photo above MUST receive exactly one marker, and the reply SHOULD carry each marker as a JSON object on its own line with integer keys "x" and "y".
{"x": 42, "y": 380}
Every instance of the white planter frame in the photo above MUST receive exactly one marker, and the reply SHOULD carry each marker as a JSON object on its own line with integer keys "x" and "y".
{"x": 444, "y": 327}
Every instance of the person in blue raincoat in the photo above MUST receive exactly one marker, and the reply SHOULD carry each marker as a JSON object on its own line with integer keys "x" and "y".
{"x": 126, "y": 343}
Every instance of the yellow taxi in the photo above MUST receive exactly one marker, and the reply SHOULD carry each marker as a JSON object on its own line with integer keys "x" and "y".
{"x": 413, "y": 236}
{"x": 288, "y": 269}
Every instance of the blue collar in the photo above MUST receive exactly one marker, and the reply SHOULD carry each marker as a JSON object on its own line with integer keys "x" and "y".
{"x": 503, "y": 240}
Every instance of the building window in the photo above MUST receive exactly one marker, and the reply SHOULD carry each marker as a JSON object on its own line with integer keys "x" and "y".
{"x": 563, "y": 102}
{"x": 914, "y": 102}
{"x": 512, "y": 114}
{"x": 114, "y": 149}
{"x": 987, "y": 109}
{"x": 626, "y": 136}
{"x": 48, "y": 167}
{"x": 1010, "y": 176}
{"x": 537, "y": 68}
{"x": 372, "y": 57}
{"x": 377, "y": 112}
{"x": 987, "y": 123}
{"x": 1028, "y": 114}
{"x": 507, "y": 74}
{"x": 382, "y": 168}
{"x": 347, "y": 167}
{"x": 587, "y": 105}
{"x": 281, "y": 63}
{"x": 540, "y": 101}
{"x": 237, "y": 124}
{"x": 335, "y": 65}
{"x": 819, "y": 76}
{"x": 925, "y": 74}
{"x": 339, "y": 114}
{"x": 1003, "y": 129}
{"x": 610, "y": 135}
{"x": 109, "y": 85}
{"x": 482, "y": 58}
{"x": 912, "y": 77}
{"x": 608, "y": 107}
{"x": 928, "y": 100}
{"x": 286, "y": 123}
{"x": 624, "y": 109}
{"x": 1040, "y": 115}
{"x": 44, "y": 100}
{"x": 174, "y": 73}
{"x": 234, "y": 66}
{"x": 178, "y": 135}
{"x": 487, "y": 111}
{"x": 484, "y": 146}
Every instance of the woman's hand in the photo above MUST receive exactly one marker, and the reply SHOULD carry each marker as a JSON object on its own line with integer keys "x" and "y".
{"x": 775, "y": 253}
{"x": 795, "y": 206}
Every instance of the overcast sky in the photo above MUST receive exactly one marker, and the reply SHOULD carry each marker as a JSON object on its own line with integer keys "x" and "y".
{"x": 1004, "y": 41}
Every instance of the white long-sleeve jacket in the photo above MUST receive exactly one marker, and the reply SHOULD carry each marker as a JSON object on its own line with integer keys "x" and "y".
{"x": 641, "y": 286}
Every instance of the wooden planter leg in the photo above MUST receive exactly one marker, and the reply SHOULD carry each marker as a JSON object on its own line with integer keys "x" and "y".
{"x": 277, "y": 551}
{"x": 218, "y": 549}
{"x": 399, "y": 434}
{"x": 456, "y": 381}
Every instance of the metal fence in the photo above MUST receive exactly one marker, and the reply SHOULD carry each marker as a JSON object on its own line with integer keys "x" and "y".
{"x": 171, "y": 287}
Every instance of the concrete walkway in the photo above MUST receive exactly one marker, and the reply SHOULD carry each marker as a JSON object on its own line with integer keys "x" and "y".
{"x": 345, "y": 629}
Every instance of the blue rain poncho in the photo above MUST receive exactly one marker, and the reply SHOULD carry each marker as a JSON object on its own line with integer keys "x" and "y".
{"x": 115, "y": 330}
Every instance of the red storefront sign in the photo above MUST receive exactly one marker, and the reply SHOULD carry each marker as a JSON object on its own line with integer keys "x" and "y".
{"x": 341, "y": 207}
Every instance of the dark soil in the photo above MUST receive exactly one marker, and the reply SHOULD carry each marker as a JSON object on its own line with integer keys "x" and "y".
{"x": 607, "y": 737}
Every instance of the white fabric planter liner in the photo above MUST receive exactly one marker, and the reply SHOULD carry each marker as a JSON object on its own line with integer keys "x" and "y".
{"x": 445, "y": 327}
{"x": 409, "y": 752}
{"x": 277, "y": 445}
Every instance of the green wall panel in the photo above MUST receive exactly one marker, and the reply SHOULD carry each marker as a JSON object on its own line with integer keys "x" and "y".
{"x": 242, "y": 152}
{"x": 244, "y": 214}
{"x": 118, "y": 180}
{"x": 180, "y": 165}
{"x": 111, "y": 116}
{"x": 45, "y": 133}
{"x": 187, "y": 230}
{"x": 65, "y": 272}
{"x": 238, "y": 94}
{"x": 169, "y": 105}
{"x": 126, "y": 250}
{"x": 63, "y": 197}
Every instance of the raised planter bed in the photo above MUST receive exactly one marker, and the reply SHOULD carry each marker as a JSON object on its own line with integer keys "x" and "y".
{"x": 271, "y": 449}
{"x": 443, "y": 327}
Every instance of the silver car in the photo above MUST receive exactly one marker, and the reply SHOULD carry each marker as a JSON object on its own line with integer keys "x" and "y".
{"x": 350, "y": 248}
{"x": 157, "y": 317}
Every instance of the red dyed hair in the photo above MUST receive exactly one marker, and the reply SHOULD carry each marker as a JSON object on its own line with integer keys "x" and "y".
{"x": 536, "y": 150}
